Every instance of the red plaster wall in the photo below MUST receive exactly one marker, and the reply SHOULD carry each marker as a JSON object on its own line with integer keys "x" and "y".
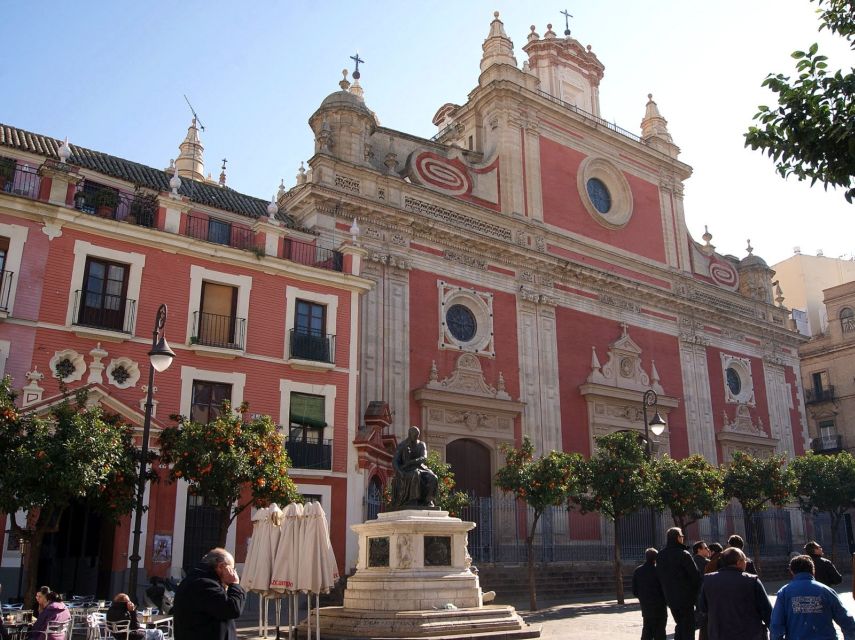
{"x": 562, "y": 204}
{"x": 577, "y": 333}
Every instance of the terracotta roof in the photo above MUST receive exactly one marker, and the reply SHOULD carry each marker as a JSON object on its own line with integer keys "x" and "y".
{"x": 139, "y": 174}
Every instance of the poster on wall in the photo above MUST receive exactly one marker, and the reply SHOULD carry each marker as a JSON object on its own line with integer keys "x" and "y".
{"x": 162, "y": 548}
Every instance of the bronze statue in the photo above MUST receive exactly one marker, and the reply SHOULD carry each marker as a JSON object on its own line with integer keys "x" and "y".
{"x": 414, "y": 485}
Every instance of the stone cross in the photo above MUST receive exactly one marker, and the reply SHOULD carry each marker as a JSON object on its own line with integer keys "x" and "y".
{"x": 357, "y": 60}
{"x": 567, "y": 17}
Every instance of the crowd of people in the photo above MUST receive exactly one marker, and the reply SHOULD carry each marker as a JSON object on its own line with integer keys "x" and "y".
{"x": 717, "y": 592}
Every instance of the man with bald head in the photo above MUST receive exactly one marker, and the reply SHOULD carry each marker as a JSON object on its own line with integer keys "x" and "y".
{"x": 209, "y": 599}
{"x": 735, "y": 603}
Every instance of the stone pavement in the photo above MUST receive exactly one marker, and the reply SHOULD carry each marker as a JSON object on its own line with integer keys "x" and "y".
{"x": 588, "y": 618}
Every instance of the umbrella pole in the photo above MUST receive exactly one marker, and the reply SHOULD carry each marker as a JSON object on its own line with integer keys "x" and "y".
{"x": 260, "y": 609}
{"x": 309, "y": 616}
{"x": 318, "y": 616}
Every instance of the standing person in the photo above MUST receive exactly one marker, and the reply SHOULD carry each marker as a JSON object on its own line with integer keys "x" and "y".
{"x": 715, "y": 552}
{"x": 824, "y": 569}
{"x": 122, "y": 609}
{"x": 209, "y": 600}
{"x": 701, "y": 555}
{"x": 735, "y": 602}
{"x": 647, "y": 588}
{"x": 736, "y": 541}
{"x": 54, "y": 611}
{"x": 680, "y": 582}
{"x": 805, "y": 608}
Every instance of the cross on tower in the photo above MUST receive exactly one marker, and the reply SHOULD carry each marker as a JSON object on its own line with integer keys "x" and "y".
{"x": 567, "y": 17}
{"x": 357, "y": 60}
{"x": 224, "y": 164}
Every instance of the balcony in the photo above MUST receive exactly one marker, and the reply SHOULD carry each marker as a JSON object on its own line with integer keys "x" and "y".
{"x": 222, "y": 332}
{"x": 309, "y": 455}
{"x": 827, "y": 444}
{"x": 219, "y": 232}
{"x": 19, "y": 179}
{"x": 138, "y": 208}
{"x": 312, "y": 255}
{"x": 6, "y": 279}
{"x": 103, "y": 311}
{"x": 815, "y": 396}
{"x": 311, "y": 347}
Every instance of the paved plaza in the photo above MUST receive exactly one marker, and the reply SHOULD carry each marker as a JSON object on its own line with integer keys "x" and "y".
{"x": 590, "y": 618}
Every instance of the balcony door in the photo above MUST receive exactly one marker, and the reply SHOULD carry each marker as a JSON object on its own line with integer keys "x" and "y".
{"x": 216, "y": 323}
{"x": 103, "y": 297}
{"x": 310, "y": 340}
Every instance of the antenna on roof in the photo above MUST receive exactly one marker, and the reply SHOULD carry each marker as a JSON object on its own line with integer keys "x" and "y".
{"x": 198, "y": 119}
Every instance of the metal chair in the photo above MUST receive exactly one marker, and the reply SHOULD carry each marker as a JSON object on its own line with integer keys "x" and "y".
{"x": 96, "y": 627}
{"x": 118, "y": 630}
{"x": 53, "y": 630}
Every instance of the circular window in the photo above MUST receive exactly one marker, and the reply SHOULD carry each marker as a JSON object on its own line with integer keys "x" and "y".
{"x": 734, "y": 382}
{"x": 461, "y": 322}
{"x": 605, "y": 193}
{"x": 599, "y": 194}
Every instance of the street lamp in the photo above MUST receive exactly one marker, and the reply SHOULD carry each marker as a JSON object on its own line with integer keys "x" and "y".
{"x": 160, "y": 357}
{"x": 657, "y": 426}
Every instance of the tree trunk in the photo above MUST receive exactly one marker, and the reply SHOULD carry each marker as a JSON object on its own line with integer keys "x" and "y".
{"x": 529, "y": 543}
{"x": 754, "y": 538}
{"x": 835, "y": 525}
{"x": 34, "y": 553}
{"x": 618, "y": 570}
{"x": 225, "y": 520}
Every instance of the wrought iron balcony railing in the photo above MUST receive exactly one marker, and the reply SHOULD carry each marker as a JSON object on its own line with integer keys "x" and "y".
{"x": 212, "y": 330}
{"x": 312, "y": 255}
{"x": 309, "y": 455}
{"x": 19, "y": 179}
{"x": 104, "y": 311}
{"x": 314, "y": 347}
{"x": 138, "y": 208}
{"x": 824, "y": 394}
{"x": 219, "y": 232}
{"x": 827, "y": 443}
{"x": 6, "y": 280}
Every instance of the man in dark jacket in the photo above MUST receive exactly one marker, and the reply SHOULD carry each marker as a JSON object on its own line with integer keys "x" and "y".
{"x": 735, "y": 603}
{"x": 680, "y": 583}
{"x": 824, "y": 569}
{"x": 701, "y": 555}
{"x": 209, "y": 600}
{"x": 648, "y": 590}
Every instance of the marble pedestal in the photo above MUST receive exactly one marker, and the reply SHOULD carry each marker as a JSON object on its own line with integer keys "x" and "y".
{"x": 413, "y": 580}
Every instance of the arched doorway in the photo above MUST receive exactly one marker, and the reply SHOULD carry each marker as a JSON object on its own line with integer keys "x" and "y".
{"x": 470, "y": 462}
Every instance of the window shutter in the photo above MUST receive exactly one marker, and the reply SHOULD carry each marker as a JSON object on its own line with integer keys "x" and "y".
{"x": 308, "y": 410}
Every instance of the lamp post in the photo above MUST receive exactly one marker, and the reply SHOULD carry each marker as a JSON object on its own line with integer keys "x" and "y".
{"x": 657, "y": 426}
{"x": 160, "y": 357}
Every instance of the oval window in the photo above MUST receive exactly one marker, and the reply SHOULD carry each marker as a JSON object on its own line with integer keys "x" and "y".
{"x": 734, "y": 382}
{"x": 461, "y": 322}
{"x": 599, "y": 195}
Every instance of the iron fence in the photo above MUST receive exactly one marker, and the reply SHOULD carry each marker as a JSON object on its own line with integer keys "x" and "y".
{"x": 310, "y": 346}
{"x": 226, "y": 332}
{"x": 19, "y": 179}
{"x": 104, "y": 311}
{"x": 219, "y": 232}
{"x": 309, "y": 455}
{"x": 96, "y": 199}
{"x": 502, "y": 526}
{"x": 312, "y": 255}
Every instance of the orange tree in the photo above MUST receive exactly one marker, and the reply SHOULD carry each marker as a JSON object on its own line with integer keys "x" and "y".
{"x": 447, "y": 498}
{"x": 73, "y": 453}
{"x": 540, "y": 483}
{"x": 222, "y": 459}
{"x": 690, "y": 488}
{"x": 826, "y": 483}
{"x": 616, "y": 481}
{"x": 756, "y": 482}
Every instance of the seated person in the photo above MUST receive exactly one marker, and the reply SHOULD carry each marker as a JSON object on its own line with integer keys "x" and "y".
{"x": 122, "y": 609}
{"x": 54, "y": 611}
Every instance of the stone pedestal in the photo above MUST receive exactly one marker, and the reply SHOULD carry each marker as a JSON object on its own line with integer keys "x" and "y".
{"x": 413, "y": 580}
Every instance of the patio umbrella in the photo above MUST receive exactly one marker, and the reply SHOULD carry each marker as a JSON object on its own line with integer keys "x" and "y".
{"x": 287, "y": 558}
{"x": 262, "y": 549}
{"x": 318, "y": 571}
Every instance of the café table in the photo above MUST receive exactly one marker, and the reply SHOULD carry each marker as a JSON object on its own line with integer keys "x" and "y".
{"x": 162, "y": 622}
{"x": 16, "y": 630}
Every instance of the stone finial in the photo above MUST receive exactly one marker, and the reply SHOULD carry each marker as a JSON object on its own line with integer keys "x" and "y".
{"x": 301, "y": 174}
{"x": 190, "y": 162}
{"x": 344, "y": 83}
{"x": 533, "y": 35}
{"x": 223, "y": 174}
{"x": 354, "y": 231}
{"x": 707, "y": 236}
{"x": 32, "y": 392}
{"x": 498, "y": 47}
{"x": 174, "y": 181}
{"x": 708, "y": 248}
{"x": 281, "y": 191}
{"x": 64, "y": 151}
{"x": 595, "y": 361}
{"x": 654, "y": 129}
{"x": 550, "y": 34}
{"x": 272, "y": 210}
{"x": 779, "y": 294}
{"x": 749, "y": 248}
{"x": 434, "y": 374}
{"x": 356, "y": 89}
{"x": 654, "y": 374}
{"x": 96, "y": 367}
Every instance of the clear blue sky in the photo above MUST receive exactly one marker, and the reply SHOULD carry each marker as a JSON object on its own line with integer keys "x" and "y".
{"x": 110, "y": 76}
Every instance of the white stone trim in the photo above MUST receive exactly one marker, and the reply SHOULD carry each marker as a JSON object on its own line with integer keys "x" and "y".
{"x": 130, "y": 366}
{"x": 200, "y": 274}
{"x": 621, "y": 195}
{"x": 83, "y": 250}
{"x": 17, "y": 238}
{"x": 5, "y": 347}
{"x": 480, "y": 303}
{"x": 189, "y": 374}
{"x": 292, "y": 294}
{"x": 328, "y": 391}
{"x": 11, "y": 558}
{"x": 742, "y": 366}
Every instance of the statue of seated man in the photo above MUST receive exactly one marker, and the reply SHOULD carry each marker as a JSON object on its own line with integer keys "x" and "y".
{"x": 414, "y": 485}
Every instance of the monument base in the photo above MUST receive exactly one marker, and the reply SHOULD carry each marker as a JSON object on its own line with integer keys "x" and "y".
{"x": 491, "y": 621}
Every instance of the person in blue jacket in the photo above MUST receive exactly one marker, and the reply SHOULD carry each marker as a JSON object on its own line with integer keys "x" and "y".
{"x": 805, "y": 608}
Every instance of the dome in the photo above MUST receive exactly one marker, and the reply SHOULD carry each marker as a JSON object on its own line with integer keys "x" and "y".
{"x": 345, "y": 100}
{"x": 752, "y": 261}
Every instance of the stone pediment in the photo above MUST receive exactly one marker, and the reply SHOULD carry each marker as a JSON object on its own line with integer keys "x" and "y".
{"x": 624, "y": 369}
{"x": 468, "y": 377}
{"x": 742, "y": 433}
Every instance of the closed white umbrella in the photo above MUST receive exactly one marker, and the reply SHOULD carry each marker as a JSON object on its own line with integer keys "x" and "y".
{"x": 262, "y": 549}
{"x": 287, "y": 559}
{"x": 318, "y": 571}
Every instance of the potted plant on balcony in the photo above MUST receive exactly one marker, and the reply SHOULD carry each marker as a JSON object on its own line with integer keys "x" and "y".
{"x": 105, "y": 202}
{"x": 143, "y": 209}
{"x": 7, "y": 174}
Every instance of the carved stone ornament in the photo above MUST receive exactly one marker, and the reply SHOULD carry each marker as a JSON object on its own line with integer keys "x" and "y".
{"x": 123, "y": 373}
{"x": 742, "y": 422}
{"x": 32, "y": 392}
{"x": 468, "y": 377}
{"x": 623, "y": 368}
{"x": 68, "y": 365}
{"x": 405, "y": 551}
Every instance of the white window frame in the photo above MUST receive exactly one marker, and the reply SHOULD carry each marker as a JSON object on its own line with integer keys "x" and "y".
{"x": 17, "y": 235}
{"x": 743, "y": 367}
{"x": 191, "y": 374}
{"x": 328, "y": 391}
{"x": 480, "y": 304}
{"x": 198, "y": 275}
{"x": 5, "y": 348}
{"x": 329, "y": 300}
{"x": 84, "y": 250}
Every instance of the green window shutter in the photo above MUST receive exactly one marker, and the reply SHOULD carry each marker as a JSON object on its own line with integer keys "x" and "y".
{"x": 308, "y": 410}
